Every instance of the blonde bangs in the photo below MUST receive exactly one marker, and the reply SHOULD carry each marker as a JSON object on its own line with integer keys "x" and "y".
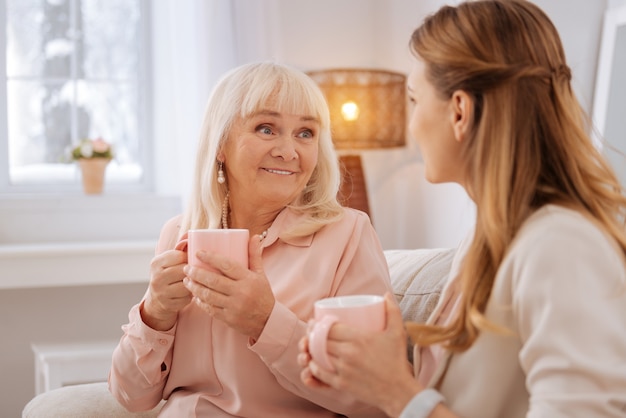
{"x": 290, "y": 93}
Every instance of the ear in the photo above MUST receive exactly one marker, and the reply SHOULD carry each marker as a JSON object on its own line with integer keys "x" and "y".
{"x": 220, "y": 154}
{"x": 462, "y": 114}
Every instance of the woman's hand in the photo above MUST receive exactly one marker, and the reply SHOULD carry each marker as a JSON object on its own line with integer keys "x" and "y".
{"x": 166, "y": 294}
{"x": 366, "y": 363}
{"x": 241, "y": 298}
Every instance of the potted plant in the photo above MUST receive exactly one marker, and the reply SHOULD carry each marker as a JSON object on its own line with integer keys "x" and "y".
{"x": 93, "y": 156}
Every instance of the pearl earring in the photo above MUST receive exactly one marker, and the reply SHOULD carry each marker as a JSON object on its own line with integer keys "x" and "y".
{"x": 220, "y": 173}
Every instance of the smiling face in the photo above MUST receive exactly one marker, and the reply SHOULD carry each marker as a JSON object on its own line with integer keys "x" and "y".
{"x": 269, "y": 157}
{"x": 432, "y": 123}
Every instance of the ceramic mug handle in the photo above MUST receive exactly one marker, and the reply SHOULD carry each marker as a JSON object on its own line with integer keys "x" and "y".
{"x": 318, "y": 338}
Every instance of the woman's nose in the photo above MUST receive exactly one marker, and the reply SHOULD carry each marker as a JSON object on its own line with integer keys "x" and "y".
{"x": 285, "y": 148}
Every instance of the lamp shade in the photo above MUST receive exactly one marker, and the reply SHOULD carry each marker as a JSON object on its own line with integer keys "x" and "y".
{"x": 367, "y": 107}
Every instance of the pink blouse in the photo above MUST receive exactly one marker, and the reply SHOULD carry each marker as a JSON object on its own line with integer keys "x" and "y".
{"x": 212, "y": 370}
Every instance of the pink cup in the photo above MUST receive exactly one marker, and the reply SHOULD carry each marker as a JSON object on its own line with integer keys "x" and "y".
{"x": 232, "y": 243}
{"x": 366, "y": 312}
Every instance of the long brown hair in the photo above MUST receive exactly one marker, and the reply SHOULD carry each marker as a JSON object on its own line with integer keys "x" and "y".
{"x": 528, "y": 146}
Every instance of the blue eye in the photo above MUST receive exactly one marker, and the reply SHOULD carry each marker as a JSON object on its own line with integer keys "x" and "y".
{"x": 306, "y": 134}
{"x": 264, "y": 129}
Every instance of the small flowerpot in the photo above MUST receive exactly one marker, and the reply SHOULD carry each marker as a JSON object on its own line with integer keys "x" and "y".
{"x": 93, "y": 170}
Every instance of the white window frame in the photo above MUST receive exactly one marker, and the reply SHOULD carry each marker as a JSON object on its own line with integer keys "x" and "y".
{"x": 72, "y": 239}
{"x": 145, "y": 183}
{"x": 61, "y": 221}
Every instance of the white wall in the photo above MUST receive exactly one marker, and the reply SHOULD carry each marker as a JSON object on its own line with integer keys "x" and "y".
{"x": 616, "y": 3}
{"x": 407, "y": 211}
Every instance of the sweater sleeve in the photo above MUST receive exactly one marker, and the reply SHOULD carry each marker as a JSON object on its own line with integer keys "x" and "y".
{"x": 570, "y": 300}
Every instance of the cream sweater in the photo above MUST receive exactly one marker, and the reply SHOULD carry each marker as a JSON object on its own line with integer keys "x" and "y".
{"x": 561, "y": 290}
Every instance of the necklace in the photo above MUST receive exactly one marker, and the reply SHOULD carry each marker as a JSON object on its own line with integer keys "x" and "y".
{"x": 225, "y": 216}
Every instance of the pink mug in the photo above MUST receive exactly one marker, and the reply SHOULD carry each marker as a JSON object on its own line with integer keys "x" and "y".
{"x": 366, "y": 312}
{"x": 232, "y": 243}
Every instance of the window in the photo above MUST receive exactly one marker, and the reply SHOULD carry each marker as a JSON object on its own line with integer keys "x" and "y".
{"x": 73, "y": 69}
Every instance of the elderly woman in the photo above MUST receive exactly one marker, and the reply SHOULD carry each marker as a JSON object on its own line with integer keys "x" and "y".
{"x": 225, "y": 344}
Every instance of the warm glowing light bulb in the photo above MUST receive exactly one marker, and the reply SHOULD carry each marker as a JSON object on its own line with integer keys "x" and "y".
{"x": 350, "y": 111}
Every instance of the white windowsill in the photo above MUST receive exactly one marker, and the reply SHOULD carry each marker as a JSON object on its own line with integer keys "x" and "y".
{"x": 75, "y": 264}
{"x": 64, "y": 240}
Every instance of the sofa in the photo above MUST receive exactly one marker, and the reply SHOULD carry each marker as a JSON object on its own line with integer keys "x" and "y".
{"x": 417, "y": 277}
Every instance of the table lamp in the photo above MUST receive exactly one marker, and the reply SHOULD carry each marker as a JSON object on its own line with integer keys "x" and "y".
{"x": 367, "y": 111}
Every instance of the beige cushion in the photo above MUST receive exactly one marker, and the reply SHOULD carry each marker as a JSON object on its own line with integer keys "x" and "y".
{"x": 417, "y": 277}
{"x": 90, "y": 400}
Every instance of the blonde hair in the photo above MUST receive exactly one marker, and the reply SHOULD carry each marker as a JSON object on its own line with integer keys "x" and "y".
{"x": 240, "y": 93}
{"x": 528, "y": 144}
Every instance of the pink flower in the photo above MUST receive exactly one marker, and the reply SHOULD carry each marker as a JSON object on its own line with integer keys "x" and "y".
{"x": 100, "y": 145}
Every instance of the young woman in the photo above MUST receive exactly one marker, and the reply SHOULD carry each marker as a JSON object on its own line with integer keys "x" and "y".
{"x": 533, "y": 320}
{"x": 225, "y": 344}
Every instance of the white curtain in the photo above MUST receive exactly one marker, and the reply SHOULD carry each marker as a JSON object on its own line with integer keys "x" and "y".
{"x": 194, "y": 43}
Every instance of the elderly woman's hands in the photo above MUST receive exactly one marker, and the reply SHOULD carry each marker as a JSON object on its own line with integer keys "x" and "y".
{"x": 166, "y": 293}
{"x": 366, "y": 363}
{"x": 241, "y": 298}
